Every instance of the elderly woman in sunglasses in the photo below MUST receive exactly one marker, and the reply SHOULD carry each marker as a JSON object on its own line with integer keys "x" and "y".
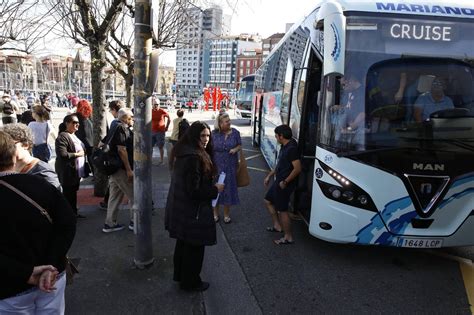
{"x": 70, "y": 159}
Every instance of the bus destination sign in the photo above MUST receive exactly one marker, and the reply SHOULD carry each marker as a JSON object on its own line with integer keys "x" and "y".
{"x": 420, "y": 31}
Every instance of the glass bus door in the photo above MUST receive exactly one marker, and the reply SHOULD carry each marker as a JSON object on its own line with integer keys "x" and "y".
{"x": 307, "y": 99}
{"x": 257, "y": 121}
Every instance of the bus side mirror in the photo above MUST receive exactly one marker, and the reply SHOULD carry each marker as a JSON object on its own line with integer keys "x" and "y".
{"x": 332, "y": 22}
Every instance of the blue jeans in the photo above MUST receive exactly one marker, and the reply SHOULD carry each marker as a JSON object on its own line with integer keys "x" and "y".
{"x": 42, "y": 151}
{"x": 36, "y": 301}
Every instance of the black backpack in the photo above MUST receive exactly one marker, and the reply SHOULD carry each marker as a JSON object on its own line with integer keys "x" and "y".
{"x": 8, "y": 108}
{"x": 182, "y": 127}
{"x": 103, "y": 159}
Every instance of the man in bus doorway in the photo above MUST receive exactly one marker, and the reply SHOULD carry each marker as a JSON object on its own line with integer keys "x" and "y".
{"x": 286, "y": 174}
{"x": 349, "y": 116}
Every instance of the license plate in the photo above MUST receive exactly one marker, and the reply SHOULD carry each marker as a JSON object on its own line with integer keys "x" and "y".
{"x": 419, "y": 242}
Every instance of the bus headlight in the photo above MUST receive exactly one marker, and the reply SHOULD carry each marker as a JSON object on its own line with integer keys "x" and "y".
{"x": 363, "y": 199}
{"x": 336, "y": 186}
{"x": 348, "y": 195}
{"x": 335, "y": 192}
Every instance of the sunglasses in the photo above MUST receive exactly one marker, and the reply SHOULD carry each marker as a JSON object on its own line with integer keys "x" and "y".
{"x": 75, "y": 122}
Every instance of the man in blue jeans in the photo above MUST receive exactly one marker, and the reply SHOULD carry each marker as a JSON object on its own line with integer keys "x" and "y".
{"x": 277, "y": 198}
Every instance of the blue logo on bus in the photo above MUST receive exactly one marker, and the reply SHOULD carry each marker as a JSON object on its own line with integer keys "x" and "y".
{"x": 336, "y": 52}
{"x": 424, "y": 8}
{"x": 318, "y": 173}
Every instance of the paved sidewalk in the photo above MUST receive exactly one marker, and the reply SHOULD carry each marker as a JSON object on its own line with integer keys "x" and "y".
{"x": 108, "y": 283}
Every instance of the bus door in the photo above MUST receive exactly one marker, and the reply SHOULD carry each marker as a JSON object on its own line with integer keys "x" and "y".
{"x": 257, "y": 121}
{"x": 307, "y": 99}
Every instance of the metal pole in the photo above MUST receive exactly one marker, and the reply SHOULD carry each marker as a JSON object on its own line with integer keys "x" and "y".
{"x": 142, "y": 205}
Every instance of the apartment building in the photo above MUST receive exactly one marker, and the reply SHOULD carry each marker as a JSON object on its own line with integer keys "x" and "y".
{"x": 17, "y": 71}
{"x": 203, "y": 24}
{"x": 247, "y": 63}
{"x": 221, "y": 54}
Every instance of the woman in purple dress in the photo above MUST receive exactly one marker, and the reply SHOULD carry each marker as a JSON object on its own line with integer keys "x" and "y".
{"x": 227, "y": 144}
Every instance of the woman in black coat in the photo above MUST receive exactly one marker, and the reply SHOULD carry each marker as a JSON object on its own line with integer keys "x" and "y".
{"x": 189, "y": 217}
{"x": 70, "y": 159}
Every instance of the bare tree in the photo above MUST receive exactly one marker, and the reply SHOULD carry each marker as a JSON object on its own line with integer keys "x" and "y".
{"x": 89, "y": 23}
{"x": 169, "y": 19}
{"x": 120, "y": 50}
{"x": 23, "y": 24}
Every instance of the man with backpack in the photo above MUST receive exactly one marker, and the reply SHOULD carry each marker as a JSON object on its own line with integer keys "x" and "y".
{"x": 9, "y": 109}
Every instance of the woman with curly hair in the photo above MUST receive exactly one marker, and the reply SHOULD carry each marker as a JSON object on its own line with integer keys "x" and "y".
{"x": 85, "y": 133}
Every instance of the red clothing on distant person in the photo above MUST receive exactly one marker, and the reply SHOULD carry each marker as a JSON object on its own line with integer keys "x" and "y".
{"x": 158, "y": 120}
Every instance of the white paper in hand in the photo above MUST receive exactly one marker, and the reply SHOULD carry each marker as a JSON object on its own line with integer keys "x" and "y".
{"x": 219, "y": 181}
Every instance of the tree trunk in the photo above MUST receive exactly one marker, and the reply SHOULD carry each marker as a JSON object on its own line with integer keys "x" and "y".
{"x": 99, "y": 113}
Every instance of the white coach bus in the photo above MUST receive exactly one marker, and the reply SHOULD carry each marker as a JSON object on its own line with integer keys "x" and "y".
{"x": 380, "y": 97}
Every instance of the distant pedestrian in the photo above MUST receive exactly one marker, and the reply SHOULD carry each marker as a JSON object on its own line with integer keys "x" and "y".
{"x": 41, "y": 129}
{"x": 21, "y": 102}
{"x": 25, "y": 163}
{"x": 175, "y": 132}
{"x": 190, "y": 106}
{"x": 9, "y": 109}
{"x": 121, "y": 182}
{"x": 73, "y": 100}
{"x": 70, "y": 159}
{"x": 159, "y": 127}
{"x": 227, "y": 144}
{"x": 27, "y": 116}
{"x": 277, "y": 198}
{"x": 30, "y": 100}
{"x": 188, "y": 214}
{"x": 33, "y": 244}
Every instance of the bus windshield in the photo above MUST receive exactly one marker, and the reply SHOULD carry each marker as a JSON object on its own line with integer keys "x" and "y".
{"x": 407, "y": 81}
{"x": 244, "y": 96}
